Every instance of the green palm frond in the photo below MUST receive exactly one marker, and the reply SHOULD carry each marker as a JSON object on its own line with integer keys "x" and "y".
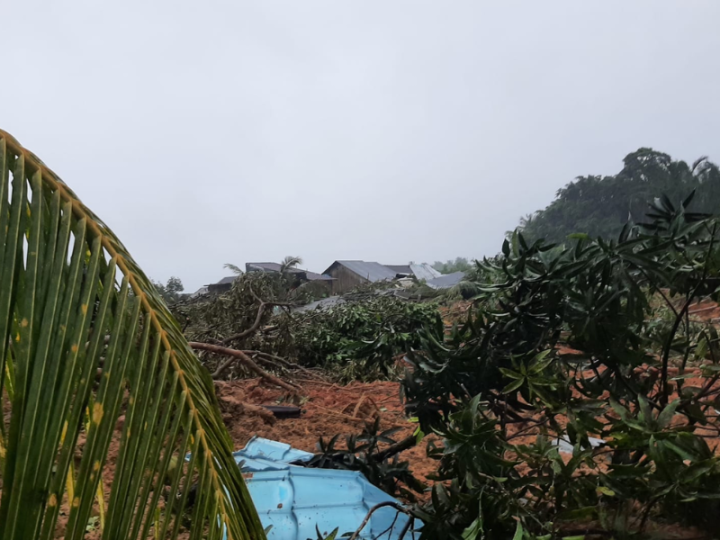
{"x": 289, "y": 262}
{"x": 84, "y": 340}
{"x": 235, "y": 268}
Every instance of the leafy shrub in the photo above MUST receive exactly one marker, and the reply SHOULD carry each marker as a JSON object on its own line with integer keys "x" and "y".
{"x": 361, "y": 340}
{"x": 503, "y": 397}
{"x": 220, "y": 316}
{"x": 363, "y": 453}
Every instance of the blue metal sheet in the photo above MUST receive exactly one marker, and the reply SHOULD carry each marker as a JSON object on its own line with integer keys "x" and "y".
{"x": 294, "y": 499}
{"x": 259, "y": 448}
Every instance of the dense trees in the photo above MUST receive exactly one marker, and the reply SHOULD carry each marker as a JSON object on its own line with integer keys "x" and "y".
{"x": 171, "y": 291}
{"x": 600, "y": 206}
{"x": 460, "y": 264}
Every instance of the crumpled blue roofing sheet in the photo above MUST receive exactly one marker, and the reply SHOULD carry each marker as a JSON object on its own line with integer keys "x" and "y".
{"x": 294, "y": 499}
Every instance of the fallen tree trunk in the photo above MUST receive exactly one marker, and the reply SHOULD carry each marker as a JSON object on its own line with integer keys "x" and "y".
{"x": 245, "y": 360}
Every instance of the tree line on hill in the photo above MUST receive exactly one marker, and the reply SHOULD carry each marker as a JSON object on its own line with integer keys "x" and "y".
{"x": 601, "y": 205}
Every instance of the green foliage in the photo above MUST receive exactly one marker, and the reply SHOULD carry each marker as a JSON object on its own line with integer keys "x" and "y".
{"x": 460, "y": 264}
{"x": 171, "y": 292}
{"x": 286, "y": 286}
{"x": 496, "y": 387}
{"x": 289, "y": 262}
{"x": 234, "y": 268}
{"x": 359, "y": 339}
{"x": 600, "y": 206}
{"x": 83, "y": 333}
{"x": 217, "y": 317}
{"x": 364, "y": 453}
{"x": 362, "y": 340}
{"x": 320, "y": 536}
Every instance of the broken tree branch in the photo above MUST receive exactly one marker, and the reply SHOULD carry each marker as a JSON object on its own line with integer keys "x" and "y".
{"x": 273, "y": 359}
{"x": 400, "y": 446}
{"x": 252, "y": 329}
{"x": 258, "y": 319}
{"x": 375, "y": 508}
{"x": 702, "y": 310}
{"x": 244, "y": 360}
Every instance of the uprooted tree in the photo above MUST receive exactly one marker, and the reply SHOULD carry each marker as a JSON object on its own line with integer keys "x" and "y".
{"x": 364, "y": 337}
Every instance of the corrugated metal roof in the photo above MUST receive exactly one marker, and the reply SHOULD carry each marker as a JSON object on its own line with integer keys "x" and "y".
{"x": 400, "y": 268}
{"x": 266, "y": 267}
{"x": 202, "y": 290}
{"x": 312, "y": 276}
{"x": 371, "y": 271}
{"x": 276, "y": 267}
{"x": 294, "y": 499}
{"x": 261, "y": 454}
{"x": 446, "y": 281}
{"x": 424, "y": 271}
{"x": 226, "y": 280}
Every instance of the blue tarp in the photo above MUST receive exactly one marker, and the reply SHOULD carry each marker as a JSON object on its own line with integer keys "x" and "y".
{"x": 294, "y": 499}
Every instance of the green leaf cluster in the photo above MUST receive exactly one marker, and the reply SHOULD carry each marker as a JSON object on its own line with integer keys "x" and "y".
{"x": 563, "y": 350}
{"x": 84, "y": 334}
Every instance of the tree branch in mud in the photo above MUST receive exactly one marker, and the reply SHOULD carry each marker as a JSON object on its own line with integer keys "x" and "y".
{"x": 274, "y": 360}
{"x": 245, "y": 360}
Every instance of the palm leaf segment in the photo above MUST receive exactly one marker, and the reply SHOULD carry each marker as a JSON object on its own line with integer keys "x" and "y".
{"x": 84, "y": 340}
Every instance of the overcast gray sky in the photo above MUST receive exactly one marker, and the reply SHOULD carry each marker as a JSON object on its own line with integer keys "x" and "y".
{"x": 212, "y": 132}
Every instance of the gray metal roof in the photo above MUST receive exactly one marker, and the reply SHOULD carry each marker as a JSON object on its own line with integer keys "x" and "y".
{"x": 424, "y": 271}
{"x": 226, "y": 280}
{"x": 371, "y": 271}
{"x": 400, "y": 268}
{"x": 266, "y": 267}
{"x": 275, "y": 267}
{"x": 446, "y": 281}
{"x": 312, "y": 276}
{"x": 420, "y": 271}
{"x": 202, "y": 290}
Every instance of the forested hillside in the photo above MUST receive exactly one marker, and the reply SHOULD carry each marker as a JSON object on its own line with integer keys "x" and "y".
{"x": 601, "y": 205}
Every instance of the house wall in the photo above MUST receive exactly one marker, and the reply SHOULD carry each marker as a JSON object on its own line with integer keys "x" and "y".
{"x": 345, "y": 280}
{"x": 318, "y": 288}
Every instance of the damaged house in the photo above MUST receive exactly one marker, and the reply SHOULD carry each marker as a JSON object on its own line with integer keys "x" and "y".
{"x": 350, "y": 274}
{"x": 299, "y": 276}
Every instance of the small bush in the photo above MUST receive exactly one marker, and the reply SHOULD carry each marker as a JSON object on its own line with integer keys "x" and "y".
{"x": 362, "y": 340}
